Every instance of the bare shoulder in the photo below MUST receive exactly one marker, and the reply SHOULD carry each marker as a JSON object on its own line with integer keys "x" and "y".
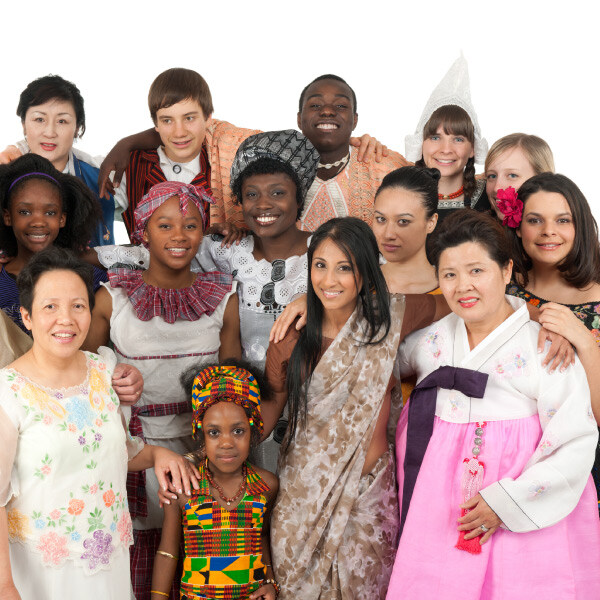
{"x": 270, "y": 479}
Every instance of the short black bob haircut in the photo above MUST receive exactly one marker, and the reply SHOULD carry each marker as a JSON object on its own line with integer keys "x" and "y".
{"x": 334, "y": 78}
{"x": 581, "y": 266}
{"x": 187, "y": 382}
{"x": 52, "y": 87}
{"x": 52, "y": 259}
{"x": 268, "y": 166}
{"x": 468, "y": 225}
{"x": 78, "y": 202}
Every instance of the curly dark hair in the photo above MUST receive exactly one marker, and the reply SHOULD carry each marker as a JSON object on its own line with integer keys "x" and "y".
{"x": 268, "y": 166}
{"x": 78, "y": 202}
{"x": 187, "y": 382}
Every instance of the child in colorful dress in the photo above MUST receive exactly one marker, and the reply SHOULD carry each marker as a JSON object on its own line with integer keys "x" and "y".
{"x": 225, "y": 522}
{"x": 40, "y": 207}
{"x": 162, "y": 320}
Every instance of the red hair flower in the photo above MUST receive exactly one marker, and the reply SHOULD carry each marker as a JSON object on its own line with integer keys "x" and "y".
{"x": 510, "y": 206}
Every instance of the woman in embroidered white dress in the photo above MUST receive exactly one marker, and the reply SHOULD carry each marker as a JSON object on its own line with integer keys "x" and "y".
{"x": 494, "y": 466}
{"x": 65, "y": 528}
{"x": 164, "y": 320}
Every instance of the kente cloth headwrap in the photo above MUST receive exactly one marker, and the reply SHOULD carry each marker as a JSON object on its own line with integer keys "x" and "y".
{"x": 288, "y": 146}
{"x": 33, "y": 174}
{"x": 218, "y": 384}
{"x": 454, "y": 89}
{"x": 159, "y": 194}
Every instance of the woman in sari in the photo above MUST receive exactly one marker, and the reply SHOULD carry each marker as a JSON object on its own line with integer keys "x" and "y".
{"x": 334, "y": 526}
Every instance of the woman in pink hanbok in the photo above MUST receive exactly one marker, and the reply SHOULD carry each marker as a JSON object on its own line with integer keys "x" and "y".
{"x": 494, "y": 452}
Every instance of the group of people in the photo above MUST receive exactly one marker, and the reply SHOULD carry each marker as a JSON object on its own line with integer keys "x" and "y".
{"x": 356, "y": 374}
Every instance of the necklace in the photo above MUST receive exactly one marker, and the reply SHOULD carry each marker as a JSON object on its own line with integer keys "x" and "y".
{"x": 220, "y": 489}
{"x": 451, "y": 196}
{"x": 337, "y": 163}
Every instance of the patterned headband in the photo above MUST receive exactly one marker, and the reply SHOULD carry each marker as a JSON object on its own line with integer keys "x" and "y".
{"x": 159, "y": 194}
{"x": 33, "y": 174}
{"x": 288, "y": 146}
{"x": 222, "y": 384}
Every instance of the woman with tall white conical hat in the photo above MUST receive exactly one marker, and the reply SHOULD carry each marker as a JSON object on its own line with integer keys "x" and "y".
{"x": 448, "y": 138}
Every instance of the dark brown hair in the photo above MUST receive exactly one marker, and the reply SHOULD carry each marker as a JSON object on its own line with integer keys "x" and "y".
{"x": 175, "y": 85}
{"x": 582, "y": 265}
{"x": 454, "y": 120}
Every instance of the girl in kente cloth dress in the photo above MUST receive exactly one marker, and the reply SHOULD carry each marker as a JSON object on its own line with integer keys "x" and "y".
{"x": 555, "y": 238}
{"x": 164, "y": 320}
{"x": 225, "y": 522}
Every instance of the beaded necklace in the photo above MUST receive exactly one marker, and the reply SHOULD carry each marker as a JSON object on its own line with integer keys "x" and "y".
{"x": 453, "y": 195}
{"x": 219, "y": 489}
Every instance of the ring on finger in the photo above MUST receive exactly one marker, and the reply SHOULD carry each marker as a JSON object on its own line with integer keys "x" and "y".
{"x": 484, "y": 528}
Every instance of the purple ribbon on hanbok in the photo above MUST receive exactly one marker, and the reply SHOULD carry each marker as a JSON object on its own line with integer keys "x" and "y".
{"x": 421, "y": 413}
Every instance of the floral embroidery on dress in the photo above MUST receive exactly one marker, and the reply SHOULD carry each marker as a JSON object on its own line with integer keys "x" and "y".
{"x": 45, "y": 470}
{"x": 40, "y": 400}
{"x": 90, "y": 517}
{"x": 53, "y": 548}
{"x": 433, "y": 341}
{"x": 512, "y": 365}
{"x": 18, "y": 525}
{"x": 98, "y": 549}
{"x": 538, "y": 488}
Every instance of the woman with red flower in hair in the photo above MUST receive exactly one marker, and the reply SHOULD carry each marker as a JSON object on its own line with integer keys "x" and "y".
{"x": 557, "y": 242}
{"x": 511, "y": 161}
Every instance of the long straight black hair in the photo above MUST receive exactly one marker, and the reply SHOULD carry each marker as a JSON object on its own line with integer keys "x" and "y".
{"x": 356, "y": 240}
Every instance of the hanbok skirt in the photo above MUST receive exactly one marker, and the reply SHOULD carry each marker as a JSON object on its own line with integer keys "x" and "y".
{"x": 557, "y": 562}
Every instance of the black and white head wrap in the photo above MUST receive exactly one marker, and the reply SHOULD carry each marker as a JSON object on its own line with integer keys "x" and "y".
{"x": 288, "y": 146}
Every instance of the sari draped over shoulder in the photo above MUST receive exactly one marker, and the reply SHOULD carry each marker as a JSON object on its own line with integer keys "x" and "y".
{"x": 330, "y": 536}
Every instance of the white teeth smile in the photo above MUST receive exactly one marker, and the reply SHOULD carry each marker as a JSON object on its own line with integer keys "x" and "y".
{"x": 331, "y": 294}
{"x": 327, "y": 126}
{"x": 64, "y": 335}
{"x": 266, "y": 220}
{"x": 444, "y": 162}
{"x": 177, "y": 251}
{"x": 37, "y": 237}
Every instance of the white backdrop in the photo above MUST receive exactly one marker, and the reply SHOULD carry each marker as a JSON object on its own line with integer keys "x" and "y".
{"x": 534, "y": 65}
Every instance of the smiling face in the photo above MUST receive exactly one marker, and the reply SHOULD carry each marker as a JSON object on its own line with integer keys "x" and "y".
{"x": 35, "y": 215}
{"x": 227, "y": 436}
{"x": 511, "y": 169}
{"x": 182, "y": 129}
{"x": 474, "y": 284}
{"x": 447, "y": 152}
{"x": 400, "y": 224}
{"x": 50, "y": 129}
{"x": 269, "y": 204}
{"x": 333, "y": 278}
{"x": 173, "y": 238}
{"x": 327, "y": 117}
{"x": 60, "y": 313}
{"x": 547, "y": 229}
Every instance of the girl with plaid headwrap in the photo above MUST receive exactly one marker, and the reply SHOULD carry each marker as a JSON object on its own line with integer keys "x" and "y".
{"x": 225, "y": 522}
{"x": 164, "y": 320}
